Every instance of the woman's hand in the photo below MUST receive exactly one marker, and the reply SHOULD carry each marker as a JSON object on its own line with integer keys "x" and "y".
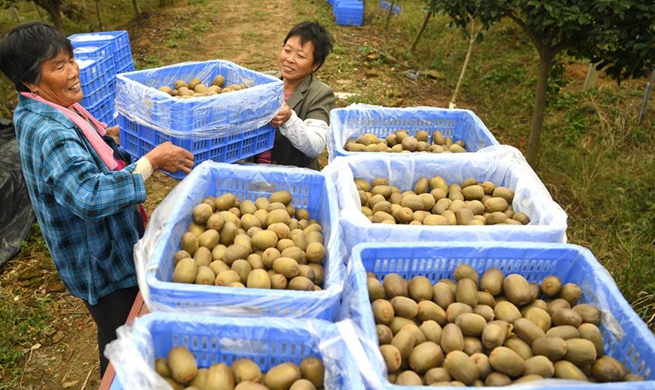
{"x": 114, "y": 133}
{"x": 282, "y": 116}
{"x": 170, "y": 158}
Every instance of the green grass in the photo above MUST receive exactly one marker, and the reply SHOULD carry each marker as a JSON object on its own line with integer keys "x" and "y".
{"x": 21, "y": 323}
{"x": 24, "y": 317}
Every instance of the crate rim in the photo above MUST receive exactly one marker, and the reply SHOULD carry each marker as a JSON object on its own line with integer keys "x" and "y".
{"x": 124, "y": 76}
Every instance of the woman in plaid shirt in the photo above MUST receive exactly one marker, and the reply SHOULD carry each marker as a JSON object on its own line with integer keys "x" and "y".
{"x": 84, "y": 192}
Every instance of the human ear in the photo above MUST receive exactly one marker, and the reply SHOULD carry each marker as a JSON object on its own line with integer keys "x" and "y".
{"x": 32, "y": 87}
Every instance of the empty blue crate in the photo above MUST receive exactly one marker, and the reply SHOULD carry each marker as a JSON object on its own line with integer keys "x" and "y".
{"x": 625, "y": 336}
{"x": 121, "y": 54}
{"x": 129, "y": 67}
{"x": 385, "y": 6}
{"x": 95, "y": 73}
{"x": 102, "y": 108}
{"x": 138, "y": 140}
{"x": 309, "y": 189}
{"x": 140, "y": 100}
{"x": 349, "y": 12}
{"x": 91, "y": 98}
{"x": 359, "y": 119}
{"x": 95, "y": 50}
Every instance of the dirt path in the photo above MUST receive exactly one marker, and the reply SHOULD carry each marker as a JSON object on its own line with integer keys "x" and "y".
{"x": 249, "y": 33}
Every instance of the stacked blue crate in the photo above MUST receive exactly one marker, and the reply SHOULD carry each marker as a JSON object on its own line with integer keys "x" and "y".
{"x": 98, "y": 81}
{"x": 348, "y": 12}
{"x": 114, "y": 47}
{"x": 120, "y": 41}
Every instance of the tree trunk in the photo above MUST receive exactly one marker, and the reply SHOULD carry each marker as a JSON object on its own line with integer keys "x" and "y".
{"x": 53, "y": 7}
{"x": 137, "y": 9}
{"x": 16, "y": 15}
{"x": 545, "y": 63}
{"x": 644, "y": 105}
{"x": 474, "y": 34}
{"x": 420, "y": 32}
{"x": 38, "y": 10}
{"x": 102, "y": 27}
{"x": 393, "y": 2}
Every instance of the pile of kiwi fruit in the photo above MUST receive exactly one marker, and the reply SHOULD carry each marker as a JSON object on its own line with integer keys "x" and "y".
{"x": 195, "y": 88}
{"x": 488, "y": 330}
{"x": 401, "y": 142}
{"x": 266, "y": 243}
{"x": 180, "y": 369}
{"x": 432, "y": 202}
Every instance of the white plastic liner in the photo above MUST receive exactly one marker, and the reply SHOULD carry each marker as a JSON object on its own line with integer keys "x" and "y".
{"x": 503, "y": 165}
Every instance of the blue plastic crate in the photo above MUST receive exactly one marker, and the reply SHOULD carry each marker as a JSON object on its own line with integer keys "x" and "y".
{"x": 358, "y": 119}
{"x": 200, "y": 117}
{"x": 95, "y": 73}
{"x": 225, "y": 340}
{"x": 92, "y": 98}
{"x": 309, "y": 189}
{"x": 102, "y": 108}
{"x": 349, "y": 13}
{"x": 98, "y": 50}
{"x": 139, "y": 140}
{"x": 385, "y": 6}
{"x": 119, "y": 40}
{"x": 626, "y": 337}
{"x": 110, "y": 118}
{"x": 127, "y": 67}
{"x": 502, "y": 165}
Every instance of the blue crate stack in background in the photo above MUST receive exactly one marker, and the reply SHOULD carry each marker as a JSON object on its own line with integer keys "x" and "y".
{"x": 385, "y": 6}
{"x": 351, "y": 12}
{"x": 348, "y": 12}
{"x": 101, "y": 56}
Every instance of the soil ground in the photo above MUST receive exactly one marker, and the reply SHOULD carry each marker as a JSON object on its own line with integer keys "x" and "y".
{"x": 67, "y": 356}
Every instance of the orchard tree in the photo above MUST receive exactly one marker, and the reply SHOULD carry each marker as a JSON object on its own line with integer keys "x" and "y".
{"x": 430, "y": 10}
{"x": 618, "y": 35}
{"x": 53, "y": 8}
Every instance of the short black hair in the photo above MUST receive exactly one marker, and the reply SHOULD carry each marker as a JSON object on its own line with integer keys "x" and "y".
{"x": 26, "y": 47}
{"x": 313, "y": 32}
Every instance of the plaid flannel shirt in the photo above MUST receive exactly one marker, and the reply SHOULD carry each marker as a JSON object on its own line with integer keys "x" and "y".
{"x": 86, "y": 211}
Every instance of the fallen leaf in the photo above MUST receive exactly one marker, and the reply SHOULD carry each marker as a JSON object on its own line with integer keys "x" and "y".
{"x": 68, "y": 385}
{"x": 58, "y": 337}
{"x": 433, "y": 74}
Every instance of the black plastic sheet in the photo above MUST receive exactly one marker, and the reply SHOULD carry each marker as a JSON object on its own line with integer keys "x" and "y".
{"x": 16, "y": 214}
